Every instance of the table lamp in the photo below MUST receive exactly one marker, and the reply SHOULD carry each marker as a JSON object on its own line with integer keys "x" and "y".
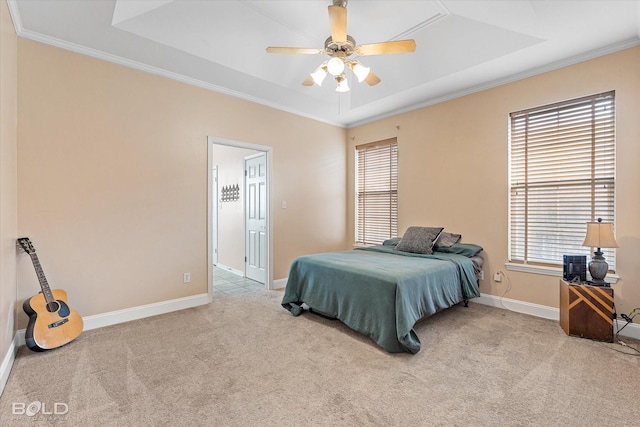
{"x": 599, "y": 235}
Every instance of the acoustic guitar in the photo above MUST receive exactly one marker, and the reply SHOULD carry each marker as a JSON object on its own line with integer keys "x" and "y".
{"x": 52, "y": 323}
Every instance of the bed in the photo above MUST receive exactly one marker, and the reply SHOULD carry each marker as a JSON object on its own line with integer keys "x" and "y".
{"x": 381, "y": 291}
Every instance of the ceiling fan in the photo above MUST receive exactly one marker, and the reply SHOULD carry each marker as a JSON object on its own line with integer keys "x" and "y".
{"x": 341, "y": 47}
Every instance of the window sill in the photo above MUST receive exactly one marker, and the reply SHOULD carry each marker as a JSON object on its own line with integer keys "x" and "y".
{"x": 362, "y": 245}
{"x": 550, "y": 271}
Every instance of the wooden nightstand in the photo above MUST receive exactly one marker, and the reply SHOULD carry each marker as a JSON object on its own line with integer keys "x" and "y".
{"x": 587, "y": 311}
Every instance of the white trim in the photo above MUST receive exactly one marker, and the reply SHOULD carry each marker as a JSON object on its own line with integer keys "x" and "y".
{"x": 550, "y": 271}
{"x": 631, "y": 331}
{"x": 15, "y": 16}
{"x": 7, "y": 363}
{"x": 74, "y": 47}
{"x": 19, "y": 338}
{"x": 519, "y": 306}
{"x": 230, "y": 270}
{"x": 143, "y": 311}
{"x": 280, "y": 283}
{"x": 213, "y": 206}
{"x": 616, "y": 47}
{"x": 115, "y": 59}
{"x": 546, "y": 312}
{"x": 210, "y": 207}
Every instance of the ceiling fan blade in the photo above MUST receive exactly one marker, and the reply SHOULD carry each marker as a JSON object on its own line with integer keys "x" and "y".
{"x": 338, "y": 20}
{"x": 372, "y": 79}
{"x": 399, "y": 46}
{"x": 303, "y": 50}
{"x": 308, "y": 81}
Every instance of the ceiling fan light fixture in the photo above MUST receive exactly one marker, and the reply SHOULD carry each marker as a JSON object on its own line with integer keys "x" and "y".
{"x": 341, "y": 47}
{"x": 319, "y": 75}
{"x": 360, "y": 71}
{"x": 343, "y": 86}
{"x": 335, "y": 66}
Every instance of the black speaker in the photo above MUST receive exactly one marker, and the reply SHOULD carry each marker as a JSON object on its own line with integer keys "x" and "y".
{"x": 574, "y": 268}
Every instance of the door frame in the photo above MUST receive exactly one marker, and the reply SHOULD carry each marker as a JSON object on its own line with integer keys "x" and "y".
{"x": 213, "y": 195}
{"x": 211, "y": 141}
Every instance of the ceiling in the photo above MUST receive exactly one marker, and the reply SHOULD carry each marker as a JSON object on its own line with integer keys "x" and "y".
{"x": 461, "y": 46}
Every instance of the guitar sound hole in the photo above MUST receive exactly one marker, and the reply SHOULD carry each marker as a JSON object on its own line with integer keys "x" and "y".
{"x": 53, "y": 306}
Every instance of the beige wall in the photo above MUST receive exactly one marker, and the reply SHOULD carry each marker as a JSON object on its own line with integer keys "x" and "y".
{"x": 8, "y": 178}
{"x": 453, "y": 162}
{"x": 112, "y": 172}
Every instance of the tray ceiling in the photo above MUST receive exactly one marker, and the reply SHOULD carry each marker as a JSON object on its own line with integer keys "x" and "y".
{"x": 462, "y": 46}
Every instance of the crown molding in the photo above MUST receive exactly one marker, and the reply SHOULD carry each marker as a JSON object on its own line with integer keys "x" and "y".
{"x": 15, "y": 16}
{"x": 572, "y": 60}
{"x": 98, "y": 54}
{"x": 74, "y": 47}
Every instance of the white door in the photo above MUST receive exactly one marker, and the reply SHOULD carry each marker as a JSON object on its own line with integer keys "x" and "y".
{"x": 255, "y": 170}
{"x": 214, "y": 215}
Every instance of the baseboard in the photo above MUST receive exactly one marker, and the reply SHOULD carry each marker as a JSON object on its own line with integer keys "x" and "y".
{"x": 7, "y": 363}
{"x": 143, "y": 311}
{"x": 230, "y": 270}
{"x": 632, "y": 330}
{"x": 280, "y": 283}
{"x": 134, "y": 313}
{"x": 532, "y": 309}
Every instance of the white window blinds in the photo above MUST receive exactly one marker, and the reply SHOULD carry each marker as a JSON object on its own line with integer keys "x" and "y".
{"x": 562, "y": 175}
{"x": 376, "y": 191}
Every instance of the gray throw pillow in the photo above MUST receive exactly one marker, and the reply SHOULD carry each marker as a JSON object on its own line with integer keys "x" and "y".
{"x": 419, "y": 240}
{"x": 445, "y": 240}
{"x": 466, "y": 249}
{"x": 391, "y": 242}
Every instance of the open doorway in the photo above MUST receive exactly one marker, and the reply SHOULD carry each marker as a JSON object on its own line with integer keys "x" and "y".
{"x": 237, "y": 243}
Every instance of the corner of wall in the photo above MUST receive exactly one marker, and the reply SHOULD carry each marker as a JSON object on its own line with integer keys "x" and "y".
{"x": 8, "y": 188}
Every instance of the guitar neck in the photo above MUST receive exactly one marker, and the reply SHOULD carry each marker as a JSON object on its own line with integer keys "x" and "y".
{"x": 44, "y": 285}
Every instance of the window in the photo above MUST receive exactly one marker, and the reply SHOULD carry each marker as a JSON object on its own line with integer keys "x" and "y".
{"x": 376, "y": 191}
{"x": 562, "y": 175}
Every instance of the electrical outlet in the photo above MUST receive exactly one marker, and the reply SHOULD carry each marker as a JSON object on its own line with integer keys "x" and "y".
{"x": 497, "y": 277}
{"x": 187, "y": 277}
{"x": 481, "y": 274}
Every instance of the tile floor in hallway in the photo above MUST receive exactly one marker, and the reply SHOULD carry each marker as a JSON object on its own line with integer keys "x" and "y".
{"x": 226, "y": 283}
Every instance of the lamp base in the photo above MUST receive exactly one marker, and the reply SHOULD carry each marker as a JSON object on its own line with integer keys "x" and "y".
{"x": 596, "y": 282}
{"x": 598, "y": 268}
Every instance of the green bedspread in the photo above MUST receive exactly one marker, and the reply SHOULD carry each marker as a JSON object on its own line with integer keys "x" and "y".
{"x": 378, "y": 291}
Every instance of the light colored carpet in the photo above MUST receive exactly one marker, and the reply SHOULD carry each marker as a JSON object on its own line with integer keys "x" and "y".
{"x": 245, "y": 361}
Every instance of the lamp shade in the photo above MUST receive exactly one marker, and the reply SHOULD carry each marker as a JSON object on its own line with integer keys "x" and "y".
{"x": 361, "y": 71}
{"x": 319, "y": 75}
{"x": 335, "y": 66}
{"x": 343, "y": 86}
{"x": 600, "y": 235}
